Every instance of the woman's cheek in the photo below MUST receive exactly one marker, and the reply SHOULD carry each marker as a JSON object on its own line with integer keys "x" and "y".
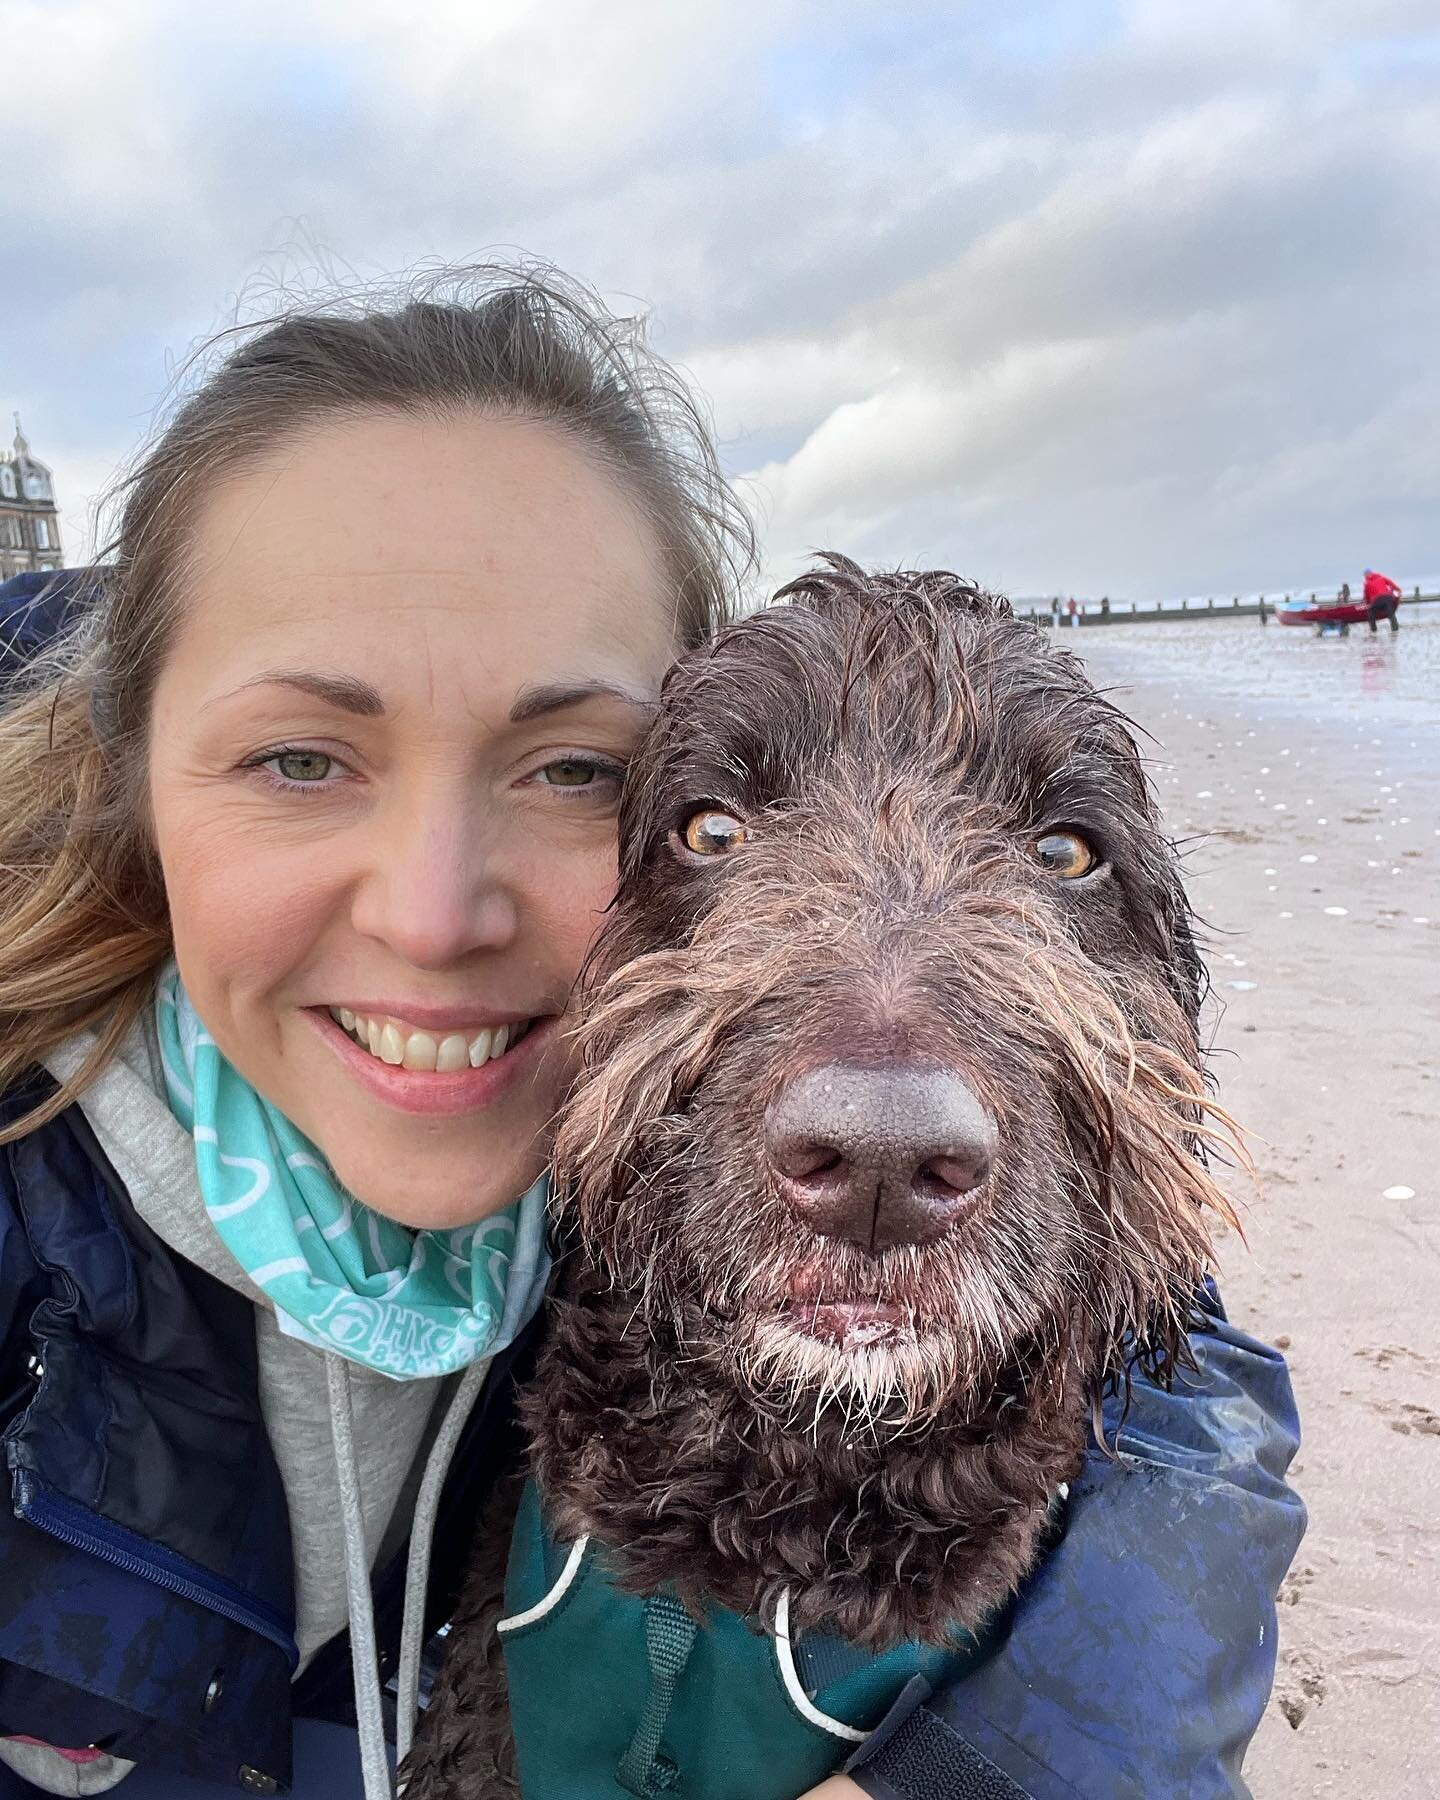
{"x": 245, "y": 916}
{"x": 572, "y": 894}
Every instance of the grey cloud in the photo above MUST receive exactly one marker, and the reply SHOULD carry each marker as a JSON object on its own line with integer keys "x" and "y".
{"x": 1087, "y": 296}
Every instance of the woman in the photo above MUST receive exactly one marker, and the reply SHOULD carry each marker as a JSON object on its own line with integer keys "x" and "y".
{"x": 302, "y": 844}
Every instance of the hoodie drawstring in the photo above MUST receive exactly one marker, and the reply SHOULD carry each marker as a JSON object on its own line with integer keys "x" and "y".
{"x": 369, "y": 1712}
{"x": 422, "y": 1532}
{"x": 369, "y": 1705}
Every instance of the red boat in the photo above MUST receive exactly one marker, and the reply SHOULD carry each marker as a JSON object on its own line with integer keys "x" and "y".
{"x": 1379, "y": 599}
{"x": 1325, "y": 612}
{"x": 1337, "y": 615}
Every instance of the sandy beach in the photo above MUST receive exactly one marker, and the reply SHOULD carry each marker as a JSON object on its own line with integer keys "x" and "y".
{"x": 1304, "y": 776}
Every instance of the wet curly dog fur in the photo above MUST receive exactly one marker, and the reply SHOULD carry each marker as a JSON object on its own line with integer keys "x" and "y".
{"x": 886, "y": 1153}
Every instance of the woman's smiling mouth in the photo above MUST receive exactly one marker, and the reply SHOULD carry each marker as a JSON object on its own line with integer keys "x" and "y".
{"x": 433, "y": 1069}
{"x": 401, "y": 1045}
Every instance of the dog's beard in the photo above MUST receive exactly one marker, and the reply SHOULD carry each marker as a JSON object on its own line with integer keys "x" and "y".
{"x": 1087, "y": 1228}
{"x": 1089, "y": 1233}
{"x": 880, "y": 1345}
{"x": 905, "y": 1379}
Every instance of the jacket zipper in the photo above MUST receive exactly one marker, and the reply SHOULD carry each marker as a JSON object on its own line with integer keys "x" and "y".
{"x": 69, "y": 1523}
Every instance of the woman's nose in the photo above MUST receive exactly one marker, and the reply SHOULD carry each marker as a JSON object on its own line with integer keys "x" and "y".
{"x": 433, "y": 891}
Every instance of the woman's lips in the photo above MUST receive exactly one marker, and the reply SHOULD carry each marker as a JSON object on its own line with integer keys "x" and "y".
{"x": 426, "y": 1092}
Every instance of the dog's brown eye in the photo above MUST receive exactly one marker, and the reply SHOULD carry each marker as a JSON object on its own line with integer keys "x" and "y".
{"x": 1064, "y": 853}
{"x": 714, "y": 833}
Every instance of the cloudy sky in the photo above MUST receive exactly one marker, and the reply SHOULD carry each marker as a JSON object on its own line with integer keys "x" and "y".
{"x": 1125, "y": 296}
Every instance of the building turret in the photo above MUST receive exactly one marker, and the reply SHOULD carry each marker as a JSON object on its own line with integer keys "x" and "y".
{"x": 29, "y": 519}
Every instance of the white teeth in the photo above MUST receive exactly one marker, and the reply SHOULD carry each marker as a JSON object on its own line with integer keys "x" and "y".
{"x": 394, "y": 1043}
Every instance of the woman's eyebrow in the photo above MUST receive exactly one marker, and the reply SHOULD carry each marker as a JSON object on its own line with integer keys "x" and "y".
{"x": 345, "y": 692}
{"x": 553, "y": 696}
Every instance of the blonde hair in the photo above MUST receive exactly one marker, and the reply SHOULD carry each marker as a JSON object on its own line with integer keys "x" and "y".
{"x": 84, "y": 924}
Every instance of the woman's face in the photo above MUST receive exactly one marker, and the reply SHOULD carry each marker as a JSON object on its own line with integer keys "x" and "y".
{"x": 385, "y": 761}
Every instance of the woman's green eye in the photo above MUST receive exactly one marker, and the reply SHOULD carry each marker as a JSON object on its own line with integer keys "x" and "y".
{"x": 570, "y": 772}
{"x": 304, "y": 767}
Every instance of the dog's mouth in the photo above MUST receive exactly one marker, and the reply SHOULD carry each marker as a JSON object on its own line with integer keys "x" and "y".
{"x": 850, "y": 1324}
{"x": 831, "y": 1308}
{"x": 874, "y": 1341}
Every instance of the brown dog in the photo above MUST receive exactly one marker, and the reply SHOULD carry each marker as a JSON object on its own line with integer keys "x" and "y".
{"x": 885, "y": 1157}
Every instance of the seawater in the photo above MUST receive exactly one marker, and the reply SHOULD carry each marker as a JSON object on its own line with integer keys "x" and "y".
{"x": 1387, "y": 685}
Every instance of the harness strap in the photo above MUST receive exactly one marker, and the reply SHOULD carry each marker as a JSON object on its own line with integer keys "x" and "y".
{"x": 669, "y": 1639}
{"x": 925, "y": 1758}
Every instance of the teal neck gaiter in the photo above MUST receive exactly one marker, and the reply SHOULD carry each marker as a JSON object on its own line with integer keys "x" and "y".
{"x": 346, "y": 1279}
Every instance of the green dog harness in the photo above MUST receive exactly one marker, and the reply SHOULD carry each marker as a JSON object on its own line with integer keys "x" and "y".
{"x": 612, "y": 1694}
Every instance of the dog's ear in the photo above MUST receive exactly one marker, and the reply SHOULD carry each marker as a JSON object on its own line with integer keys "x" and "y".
{"x": 644, "y": 1040}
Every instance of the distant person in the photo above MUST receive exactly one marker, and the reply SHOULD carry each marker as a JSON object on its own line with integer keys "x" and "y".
{"x": 1382, "y": 599}
{"x": 1264, "y": 612}
{"x": 1344, "y": 595}
{"x": 1073, "y": 611}
{"x": 1055, "y": 610}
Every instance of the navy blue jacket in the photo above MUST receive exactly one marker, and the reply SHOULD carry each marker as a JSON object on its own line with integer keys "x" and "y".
{"x": 35, "y": 609}
{"x": 1142, "y": 1650}
{"x": 146, "y": 1584}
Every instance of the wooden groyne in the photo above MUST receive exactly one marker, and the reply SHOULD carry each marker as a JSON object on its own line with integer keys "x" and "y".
{"x": 1124, "y": 612}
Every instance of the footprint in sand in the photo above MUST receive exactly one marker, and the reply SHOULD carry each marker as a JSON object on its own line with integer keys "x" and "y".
{"x": 1294, "y": 1585}
{"x": 1383, "y": 1667}
{"x": 1300, "y": 1686}
{"x": 1385, "y": 1355}
{"x": 1407, "y": 1418}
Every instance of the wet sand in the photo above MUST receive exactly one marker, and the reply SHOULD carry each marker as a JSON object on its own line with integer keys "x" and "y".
{"x": 1305, "y": 774}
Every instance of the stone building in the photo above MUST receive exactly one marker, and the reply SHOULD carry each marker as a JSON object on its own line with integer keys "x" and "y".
{"x": 29, "y": 521}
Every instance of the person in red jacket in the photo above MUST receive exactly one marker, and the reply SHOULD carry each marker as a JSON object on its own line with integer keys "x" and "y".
{"x": 1382, "y": 598}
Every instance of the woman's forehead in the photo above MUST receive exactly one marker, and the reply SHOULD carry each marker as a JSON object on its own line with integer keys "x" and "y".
{"x": 474, "y": 547}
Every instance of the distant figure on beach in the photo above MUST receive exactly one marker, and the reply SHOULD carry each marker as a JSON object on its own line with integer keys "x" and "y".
{"x": 1344, "y": 595}
{"x": 1055, "y": 610}
{"x": 1073, "y": 611}
{"x": 1264, "y": 612}
{"x": 1382, "y": 598}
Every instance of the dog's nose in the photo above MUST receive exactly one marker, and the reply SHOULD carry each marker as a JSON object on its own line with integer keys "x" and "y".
{"x": 880, "y": 1156}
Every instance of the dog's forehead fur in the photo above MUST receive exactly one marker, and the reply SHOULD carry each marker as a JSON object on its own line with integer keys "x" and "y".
{"x": 854, "y": 692}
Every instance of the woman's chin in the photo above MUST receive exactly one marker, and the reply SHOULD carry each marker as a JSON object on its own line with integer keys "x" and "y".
{"x": 440, "y": 1206}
